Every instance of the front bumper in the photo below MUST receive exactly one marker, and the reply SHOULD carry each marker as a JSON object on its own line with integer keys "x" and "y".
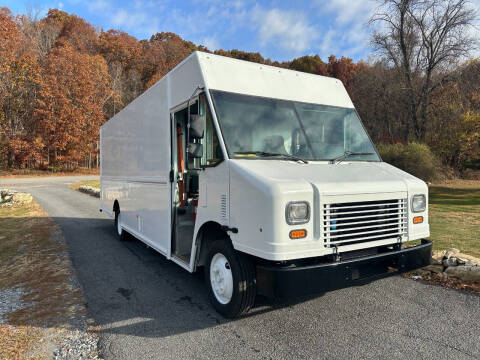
{"x": 275, "y": 281}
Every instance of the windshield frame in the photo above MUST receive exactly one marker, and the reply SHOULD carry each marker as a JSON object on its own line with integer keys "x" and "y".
{"x": 231, "y": 155}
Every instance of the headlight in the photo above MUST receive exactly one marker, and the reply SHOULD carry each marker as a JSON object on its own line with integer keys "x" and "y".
{"x": 297, "y": 212}
{"x": 419, "y": 203}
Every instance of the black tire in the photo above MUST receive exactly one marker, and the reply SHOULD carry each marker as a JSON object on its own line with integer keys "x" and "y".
{"x": 121, "y": 234}
{"x": 243, "y": 274}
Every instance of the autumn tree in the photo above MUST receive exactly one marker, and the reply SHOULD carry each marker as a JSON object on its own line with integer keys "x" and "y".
{"x": 19, "y": 83}
{"x": 161, "y": 54}
{"x": 72, "y": 29}
{"x": 70, "y": 105}
{"x": 378, "y": 98}
{"x": 38, "y": 35}
{"x": 121, "y": 53}
{"x": 423, "y": 39}
{"x": 309, "y": 64}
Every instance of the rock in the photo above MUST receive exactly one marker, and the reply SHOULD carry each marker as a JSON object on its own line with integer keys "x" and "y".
{"x": 90, "y": 190}
{"x": 434, "y": 268}
{"x": 437, "y": 256}
{"x": 451, "y": 261}
{"x": 467, "y": 259}
{"x": 465, "y": 273}
{"x": 4, "y": 192}
{"x": 451, "y": 253}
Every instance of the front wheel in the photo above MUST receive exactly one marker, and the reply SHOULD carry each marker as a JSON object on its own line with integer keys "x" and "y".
{"x": 230, "y": 278}
{"x": 121, "y": 235}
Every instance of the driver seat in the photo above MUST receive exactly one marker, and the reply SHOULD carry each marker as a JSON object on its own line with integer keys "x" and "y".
{"x": 274, "y": 144}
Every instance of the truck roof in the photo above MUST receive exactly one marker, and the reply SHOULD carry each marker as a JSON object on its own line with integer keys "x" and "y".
{"x": 245, "y": 77}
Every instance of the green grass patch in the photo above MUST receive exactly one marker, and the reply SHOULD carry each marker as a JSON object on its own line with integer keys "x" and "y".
{"x": 454, "y": 215}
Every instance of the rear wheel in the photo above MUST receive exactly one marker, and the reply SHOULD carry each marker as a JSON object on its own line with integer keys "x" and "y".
{"x": 230, "y": 278}
{"x": 121, "y": 234}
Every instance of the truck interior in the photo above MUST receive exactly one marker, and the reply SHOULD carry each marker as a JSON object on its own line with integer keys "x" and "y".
{"x": 185, "y": 184}
{"x": 195, "y": 147}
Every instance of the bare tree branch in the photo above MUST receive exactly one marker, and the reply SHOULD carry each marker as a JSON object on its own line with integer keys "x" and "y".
{"x": 424, "y": 39}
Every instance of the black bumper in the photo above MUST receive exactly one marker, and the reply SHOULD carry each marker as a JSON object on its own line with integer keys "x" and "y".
{"x": 275, "y": 281}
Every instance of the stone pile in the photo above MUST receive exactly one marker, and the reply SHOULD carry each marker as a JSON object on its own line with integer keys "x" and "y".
{"x": 90, "y": 190}
{"x": 11, "y": 197}
{"x": 452, "y": 263}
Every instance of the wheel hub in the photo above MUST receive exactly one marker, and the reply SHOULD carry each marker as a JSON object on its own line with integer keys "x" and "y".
{"x": 119, "y": 226}
{"x": 221, "y": 278}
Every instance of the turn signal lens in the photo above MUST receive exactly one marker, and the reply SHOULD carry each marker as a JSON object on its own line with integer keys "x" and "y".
{"x": 298, "y": 234}
{"x": 418, "y": 219}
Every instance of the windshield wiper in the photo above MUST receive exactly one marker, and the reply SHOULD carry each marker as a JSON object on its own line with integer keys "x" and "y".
{"x": 348, "y": 153}
{"x": 266, "y": 153}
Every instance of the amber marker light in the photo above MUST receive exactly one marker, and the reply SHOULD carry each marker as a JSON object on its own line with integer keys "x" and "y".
{"x": 298, "y": 234}
{"x": 418, "y": 219}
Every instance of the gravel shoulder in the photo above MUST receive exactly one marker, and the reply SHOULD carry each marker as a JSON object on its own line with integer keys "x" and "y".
{"x": 42, "y": 307}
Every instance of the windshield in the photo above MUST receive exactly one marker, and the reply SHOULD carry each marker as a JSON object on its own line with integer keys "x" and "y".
{"x": 255, "y": 126}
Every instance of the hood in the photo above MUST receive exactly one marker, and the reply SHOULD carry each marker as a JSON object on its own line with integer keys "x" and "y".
{"x": 341, "y": 178}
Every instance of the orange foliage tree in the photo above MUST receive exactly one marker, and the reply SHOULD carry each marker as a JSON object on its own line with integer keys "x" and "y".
{"x": 69, "y": 109}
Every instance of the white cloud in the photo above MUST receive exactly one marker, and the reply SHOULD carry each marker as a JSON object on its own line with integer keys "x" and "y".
{"x": 348, "y": 11}
{"x": 99, "y": 5}
{"x": 286, "y": 29}
{"x": 210, "y": 42}
{"x": 348, "y": 32}
{"x": 128, "y": 19}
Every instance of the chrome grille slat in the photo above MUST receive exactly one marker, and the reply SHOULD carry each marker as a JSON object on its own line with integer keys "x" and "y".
{"x": 370, "y": 238}
{"x": 355, "y": 233}
{"x": 394, "y": 215}
{"x": 356, "y": 222}
{"x": 390, "y": 210}
{"x": 368, "y": 227}
{"x": 337, "y": 224}
{"x": 362, "y": 206}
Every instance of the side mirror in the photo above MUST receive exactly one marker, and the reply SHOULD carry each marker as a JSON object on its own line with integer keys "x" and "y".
{"x": 195, "y": 150}
{"x": 197, "y": 126}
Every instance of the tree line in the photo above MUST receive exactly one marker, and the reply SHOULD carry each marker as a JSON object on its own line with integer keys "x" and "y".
{"x": 61, "y": 79}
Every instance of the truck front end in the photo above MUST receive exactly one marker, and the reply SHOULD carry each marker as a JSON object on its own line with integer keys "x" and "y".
{"x": 314, "y": 205}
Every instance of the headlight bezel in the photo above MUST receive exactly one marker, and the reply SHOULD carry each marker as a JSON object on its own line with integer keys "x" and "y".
{"x": 416, "y": 209}
{"x": 301, "y": 221}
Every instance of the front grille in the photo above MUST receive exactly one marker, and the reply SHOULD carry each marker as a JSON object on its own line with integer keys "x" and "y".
{"x": 357, "y": 222}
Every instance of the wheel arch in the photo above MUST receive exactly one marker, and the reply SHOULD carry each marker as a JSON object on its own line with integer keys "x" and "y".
{"x": 116, "y": 206}
{"x": 208, "y": 232}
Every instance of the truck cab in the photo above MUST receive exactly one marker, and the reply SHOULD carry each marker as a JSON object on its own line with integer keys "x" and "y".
{"x": 264, "y": 177}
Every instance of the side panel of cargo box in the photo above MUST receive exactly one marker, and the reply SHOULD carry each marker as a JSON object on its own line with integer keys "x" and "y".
{"x": 135, "y": 166}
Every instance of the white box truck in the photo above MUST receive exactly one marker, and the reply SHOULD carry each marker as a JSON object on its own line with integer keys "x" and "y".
{"x": 263, "y": 176}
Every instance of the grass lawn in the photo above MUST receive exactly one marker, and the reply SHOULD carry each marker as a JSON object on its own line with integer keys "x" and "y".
{"x": 93, "y": 183}
{"x": 33, "y": 257}
{"x": 455, "y": 216}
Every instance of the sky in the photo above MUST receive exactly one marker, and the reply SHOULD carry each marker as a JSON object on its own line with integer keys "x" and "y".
{"x": 279, "y": 30}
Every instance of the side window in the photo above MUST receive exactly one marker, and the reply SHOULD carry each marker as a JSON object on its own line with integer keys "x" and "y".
{"x": 212, "y": 152}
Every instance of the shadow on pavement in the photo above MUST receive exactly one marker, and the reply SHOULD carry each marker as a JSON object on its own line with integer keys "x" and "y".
{"x": 133, "y": 290}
